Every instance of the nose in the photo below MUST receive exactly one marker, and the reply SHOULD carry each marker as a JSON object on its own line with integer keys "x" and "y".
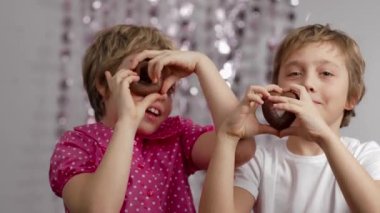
{"x": 309, "y": 83}
{"x": 163, "y": 97}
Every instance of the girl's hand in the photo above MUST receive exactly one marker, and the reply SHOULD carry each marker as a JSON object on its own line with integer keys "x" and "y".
{"x": 180, "y": 64}
{"x": 309, "y": 123}
{"x": 242, "y": 122}
{"x": 121, "y": 99}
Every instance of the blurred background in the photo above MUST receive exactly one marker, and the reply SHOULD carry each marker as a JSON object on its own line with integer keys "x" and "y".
{"x": 42, "y": 43}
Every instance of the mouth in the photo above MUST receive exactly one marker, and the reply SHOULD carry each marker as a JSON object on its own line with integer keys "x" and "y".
{"x": 317, "y": 102}
{"x": 153, "y": 111}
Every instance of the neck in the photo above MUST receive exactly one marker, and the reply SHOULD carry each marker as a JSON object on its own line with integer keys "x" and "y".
{"x": 299, "y": 146}
{"x": 108, "y": 122}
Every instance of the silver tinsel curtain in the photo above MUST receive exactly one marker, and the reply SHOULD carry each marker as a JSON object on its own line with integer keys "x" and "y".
{"x": 238, "y": 35}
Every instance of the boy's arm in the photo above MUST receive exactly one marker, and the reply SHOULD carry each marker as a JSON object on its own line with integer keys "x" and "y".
{"x": 219, "y": 194}
{"x": 360, "y": 191}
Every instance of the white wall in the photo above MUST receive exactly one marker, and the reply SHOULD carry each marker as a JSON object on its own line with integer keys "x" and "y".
{"x": 29, "y": 40}
{"x": 360, "y": 19}
{"x": 29, "y": 44}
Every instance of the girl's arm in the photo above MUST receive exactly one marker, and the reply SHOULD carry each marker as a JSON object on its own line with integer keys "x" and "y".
{"x": 361, "y": 192}
{"x": 105, "y": 189}
{"x": 221, "y": 101}
{"x": 219, "y": 194}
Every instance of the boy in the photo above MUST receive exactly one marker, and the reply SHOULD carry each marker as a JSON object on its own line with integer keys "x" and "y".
{"x": 315, "y": 170}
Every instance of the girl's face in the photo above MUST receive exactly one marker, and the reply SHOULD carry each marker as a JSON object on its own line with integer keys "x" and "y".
{"x": 321, "y": 69}
{"x": 155, "y": 114}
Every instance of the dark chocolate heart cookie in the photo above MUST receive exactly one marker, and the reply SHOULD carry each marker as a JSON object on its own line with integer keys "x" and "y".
{"x": 144, "y": 86}
{"x": 278, "y": 119}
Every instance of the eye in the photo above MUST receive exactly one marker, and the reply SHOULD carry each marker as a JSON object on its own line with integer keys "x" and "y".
{"x": 171, "y": 90}
{"x": 326, "y": 73}
{"x": 294, "y": 74}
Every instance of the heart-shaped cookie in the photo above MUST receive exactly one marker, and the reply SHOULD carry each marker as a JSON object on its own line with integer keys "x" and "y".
{"x": 278, "y": 119}
{"x": 144, "y": 86}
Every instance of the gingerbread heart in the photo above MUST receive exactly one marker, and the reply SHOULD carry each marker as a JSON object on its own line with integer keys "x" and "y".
{"x": 144, "y": 86}
{"x": 278, "y": 119}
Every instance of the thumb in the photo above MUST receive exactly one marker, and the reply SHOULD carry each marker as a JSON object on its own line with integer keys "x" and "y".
{"x": 149, "y": 99}
{"x": 292, "y": 130}
{"x": 168, "y": 82}
{"x": 266, "y": 129}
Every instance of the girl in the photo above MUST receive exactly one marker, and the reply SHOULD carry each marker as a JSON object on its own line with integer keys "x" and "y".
{"x": 136, "y": 158}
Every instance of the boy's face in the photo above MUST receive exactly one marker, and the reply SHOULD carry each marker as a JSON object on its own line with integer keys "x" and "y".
{"x": 321, "y": 69}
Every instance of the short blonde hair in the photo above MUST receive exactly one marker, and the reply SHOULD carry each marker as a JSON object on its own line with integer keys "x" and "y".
{"x": 108, "y": 51}
{"x": 355, "y": 64}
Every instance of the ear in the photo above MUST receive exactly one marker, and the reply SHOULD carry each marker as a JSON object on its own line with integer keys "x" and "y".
{"x": 350, "y": 103}
{"x": 102, "y": 89}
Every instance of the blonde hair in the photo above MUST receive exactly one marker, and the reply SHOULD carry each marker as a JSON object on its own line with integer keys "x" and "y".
{"x": 355, "y": 64}
{"x": 108, "y": 51}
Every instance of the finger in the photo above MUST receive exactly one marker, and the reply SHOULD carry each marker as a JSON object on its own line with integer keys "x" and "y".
{"x": 123, "y": 73}
{"x": 266, "y": 129}
{"x": 166, "y": 59}
{"x": 253, "y": 97}
{"x": 168, "y": 83}
{"x": 256, "y": 93}
{"x": 126, "y": 82}
{"x": 274, "y": 87}
{"x": 145, "y": 54}
{"x": 284, "y": 99}
{"x": 263, "y": 92}
{"x": 288, "y": 107}
{"x": 292, "y": 130}
{"x": 150, "y": 99}
{"x": 300, "y": 91}
{"x": 155, "y": 67}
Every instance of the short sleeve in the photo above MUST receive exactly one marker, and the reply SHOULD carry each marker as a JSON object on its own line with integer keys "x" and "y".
{"x": 248, "y": 176}
{"x": 190, "y": 133}
{"x": 73, "y": 154}
{"x": 368, "y": 155}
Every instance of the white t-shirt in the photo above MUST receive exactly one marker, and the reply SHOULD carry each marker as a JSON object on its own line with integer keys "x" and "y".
{"x": 285, "y": 182}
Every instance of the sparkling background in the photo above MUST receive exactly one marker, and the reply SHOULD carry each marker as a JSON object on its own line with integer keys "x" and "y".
{"x": 238, "y": 35}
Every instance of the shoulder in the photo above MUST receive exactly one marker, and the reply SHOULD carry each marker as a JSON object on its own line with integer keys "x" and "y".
{"x": 358, "y": 148}
{"x": 178, "y": 123}
{"x": 355, "y": 144}
{"x": 86, "y": 135}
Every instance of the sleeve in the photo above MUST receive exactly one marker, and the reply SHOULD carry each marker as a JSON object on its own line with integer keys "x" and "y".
{"x": 248, "y": 176}
{"x": 73, "y": 154}
{"x": 368, "y": 156}
{"x": 190, "y": 134}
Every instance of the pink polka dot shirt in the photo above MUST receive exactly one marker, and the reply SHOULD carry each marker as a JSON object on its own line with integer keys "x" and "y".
{"x": 161, "y": 164}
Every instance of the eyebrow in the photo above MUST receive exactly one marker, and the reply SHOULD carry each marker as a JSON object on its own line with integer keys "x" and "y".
{"x": 320, "y": 62}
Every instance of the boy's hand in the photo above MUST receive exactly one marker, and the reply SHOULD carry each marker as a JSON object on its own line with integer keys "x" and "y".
{"x": 121, "y": 99}
{"x": 242, "y": 122}
{"x": 309, "y": 123}
{"x": 180, "y": 64}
